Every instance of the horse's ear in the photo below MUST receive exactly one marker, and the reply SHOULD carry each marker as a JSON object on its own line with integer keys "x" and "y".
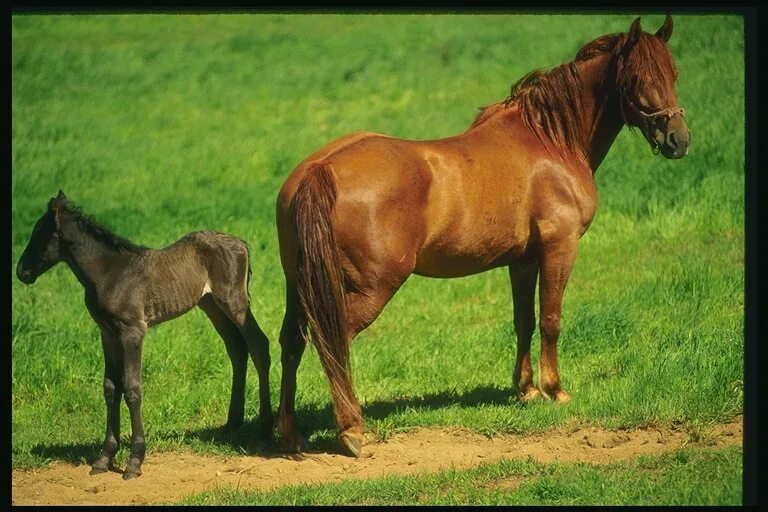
{"x": 634, "y": 31}
{"x": 665, "y": 31}
{"x": 61, "y": 196}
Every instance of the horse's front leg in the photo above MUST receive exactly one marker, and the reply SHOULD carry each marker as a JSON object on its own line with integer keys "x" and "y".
{"x": 113, "y": 390}
{"x": 555, "y": 264}
{"x": 131, "y": 339}
{"x": 523, "y": 279}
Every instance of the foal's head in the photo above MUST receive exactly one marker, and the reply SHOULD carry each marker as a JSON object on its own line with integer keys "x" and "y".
{"x": 645, "y": 81}
{"x": 43, "y": 249}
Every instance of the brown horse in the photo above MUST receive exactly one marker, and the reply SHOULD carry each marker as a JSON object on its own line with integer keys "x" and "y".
{"x": 360, "y": 215}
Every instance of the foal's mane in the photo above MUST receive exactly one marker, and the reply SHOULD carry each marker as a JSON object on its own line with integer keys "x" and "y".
{"x": 100, "y": 232}
{"x": 549, "y": 102}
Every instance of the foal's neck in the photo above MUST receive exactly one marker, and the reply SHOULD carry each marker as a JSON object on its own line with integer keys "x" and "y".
{"x": 601, "y": 120}
{"x": 89, "y": 257}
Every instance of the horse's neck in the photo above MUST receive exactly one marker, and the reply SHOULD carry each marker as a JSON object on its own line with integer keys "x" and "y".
{"x": 600, "y": 118}
{"x": 85, "y": 254}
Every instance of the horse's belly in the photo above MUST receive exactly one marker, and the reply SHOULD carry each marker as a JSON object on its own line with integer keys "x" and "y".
{"x": 449, "y": 262}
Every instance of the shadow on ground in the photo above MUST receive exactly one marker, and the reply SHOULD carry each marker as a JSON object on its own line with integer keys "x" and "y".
{"x": 315, "y": 422}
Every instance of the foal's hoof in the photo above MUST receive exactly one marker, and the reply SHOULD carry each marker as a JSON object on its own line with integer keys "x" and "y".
{"x": 101, "y": 466}
{"x": 351, "y": 444}
{"x": 97, "y": 470}
{"x": 131, "y": 473}
{"x": 231, "y": 426}
{"x": 266, "y": 426}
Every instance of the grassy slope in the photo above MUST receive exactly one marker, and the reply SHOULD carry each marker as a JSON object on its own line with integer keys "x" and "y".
{"x": 160, "y": 125}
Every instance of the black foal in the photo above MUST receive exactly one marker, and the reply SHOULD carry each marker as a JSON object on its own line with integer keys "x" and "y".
{"x": 129, "y": 288}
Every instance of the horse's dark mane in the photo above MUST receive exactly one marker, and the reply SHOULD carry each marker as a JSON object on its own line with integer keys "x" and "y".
{"x": 549, "y": 101}
{"x": 100, "y": 232}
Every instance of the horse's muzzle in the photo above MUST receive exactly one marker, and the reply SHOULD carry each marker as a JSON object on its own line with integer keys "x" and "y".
{"x": 676, "y": 140}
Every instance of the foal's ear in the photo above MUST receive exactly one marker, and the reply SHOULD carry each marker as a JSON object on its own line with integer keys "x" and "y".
{"x": 665, "y": 31}
{"x": 55, "y": 206}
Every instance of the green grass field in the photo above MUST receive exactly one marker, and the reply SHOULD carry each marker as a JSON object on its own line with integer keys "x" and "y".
{"x": 158, "y": 125}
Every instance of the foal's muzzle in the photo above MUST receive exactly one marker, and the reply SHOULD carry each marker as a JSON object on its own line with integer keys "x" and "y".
{"x": 24, "y": 275}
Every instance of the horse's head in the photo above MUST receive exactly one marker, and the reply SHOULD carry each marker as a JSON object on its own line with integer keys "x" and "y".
{"x": 646, "y": 77}
{"x": 42, "y": 250}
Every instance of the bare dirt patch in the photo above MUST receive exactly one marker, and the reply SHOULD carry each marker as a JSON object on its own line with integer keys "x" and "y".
{"x": 167, "y": 477}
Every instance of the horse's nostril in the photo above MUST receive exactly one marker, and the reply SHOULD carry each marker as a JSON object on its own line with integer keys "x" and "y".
{"x": 672, "y": 140}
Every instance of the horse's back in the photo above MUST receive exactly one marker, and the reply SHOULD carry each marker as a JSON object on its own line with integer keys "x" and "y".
{"x": 297, "y": 175}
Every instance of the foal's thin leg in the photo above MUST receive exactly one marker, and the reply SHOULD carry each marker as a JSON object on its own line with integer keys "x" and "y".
{"x": 258, "y": 346}
{"x": 238, "y": 355}
{"x": 113, "y": 390}
{"x": 523, "y": 278}
{"x": 292, "y": 346}
{"x": 131, "y": 338}
{"x": 556, "y": 264}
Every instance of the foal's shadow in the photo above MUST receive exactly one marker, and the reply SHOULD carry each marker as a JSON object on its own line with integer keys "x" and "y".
{"x": 79, "y": 453}
{"x": 317, "y": 421}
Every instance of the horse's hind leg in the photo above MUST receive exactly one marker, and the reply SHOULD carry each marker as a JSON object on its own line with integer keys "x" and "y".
{"x": 523, "y": 278}
{"x": 237, "y": 350}
{"x": 113, "y": 390}
{"x": 363, "y": 307}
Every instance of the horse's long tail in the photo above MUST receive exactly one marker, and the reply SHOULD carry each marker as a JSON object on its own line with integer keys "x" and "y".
{"x": 320, "y": 285}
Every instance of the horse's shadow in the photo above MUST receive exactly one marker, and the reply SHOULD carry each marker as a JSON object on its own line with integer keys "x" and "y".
{"x": 482, "y": 395}
{"x": 313, "y": 420}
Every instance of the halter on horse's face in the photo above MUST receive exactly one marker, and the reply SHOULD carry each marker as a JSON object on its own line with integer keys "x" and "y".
{"x": 654, "y": 108}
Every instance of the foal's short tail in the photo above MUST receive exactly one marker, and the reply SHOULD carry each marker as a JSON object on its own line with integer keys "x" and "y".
{"x": 320, "y": 285}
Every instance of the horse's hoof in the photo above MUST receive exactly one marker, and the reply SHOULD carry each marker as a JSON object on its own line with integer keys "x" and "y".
{"x": 131, "y": 473}
{"x": 530, "y": 395}
{"x": 559, "y": 396}
{"x": 351, "y": 444}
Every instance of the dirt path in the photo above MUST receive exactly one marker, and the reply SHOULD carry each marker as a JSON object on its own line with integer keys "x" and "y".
{"x": 170, "y": 476}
